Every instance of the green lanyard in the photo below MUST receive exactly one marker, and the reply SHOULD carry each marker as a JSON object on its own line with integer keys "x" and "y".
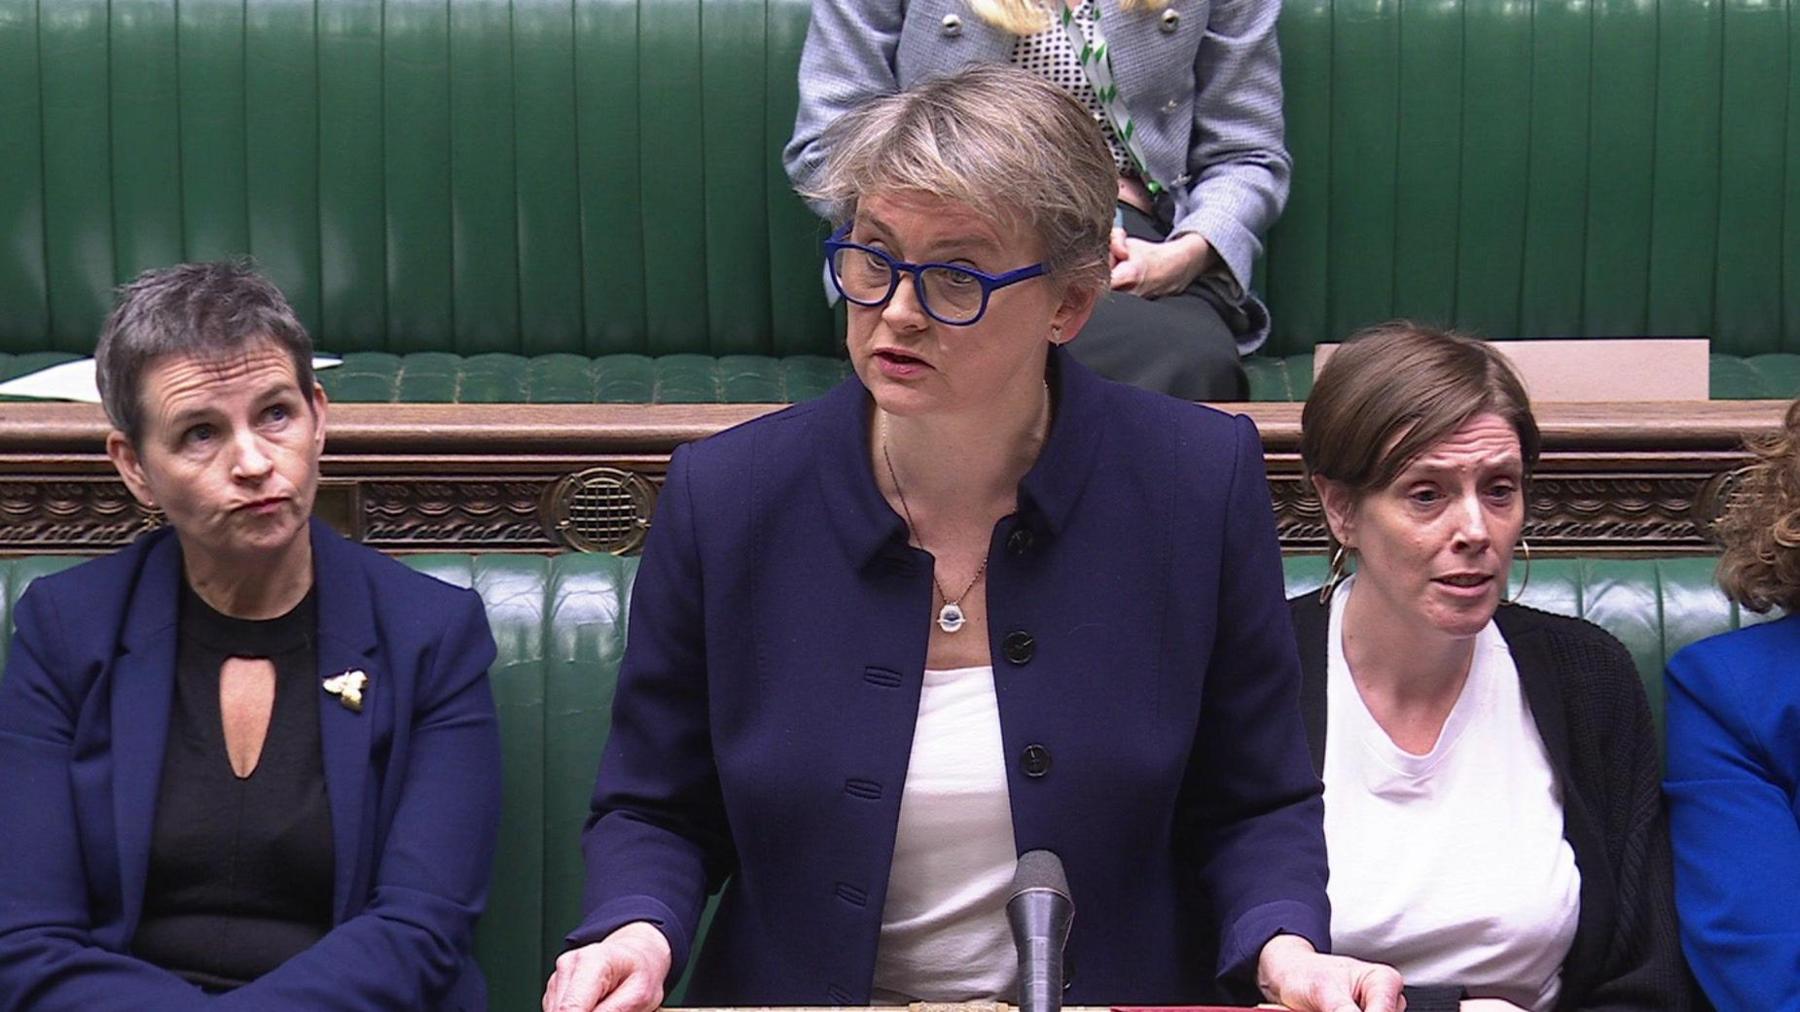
{"x": 1096, "y": 62}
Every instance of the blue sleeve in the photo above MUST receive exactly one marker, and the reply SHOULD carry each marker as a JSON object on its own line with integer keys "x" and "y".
{"x": 1733, "y": 826}
{"x": 1260, "y": 806}
{"x": 411, "y": 942}
{"x": 656, "y": 841}
{"x": 49, "y": 959}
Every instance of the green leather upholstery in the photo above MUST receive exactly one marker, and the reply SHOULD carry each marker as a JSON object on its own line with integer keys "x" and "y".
{"x": 562, "y": 378}
{"x": 520, "y": 176}
{"x": 581, "y": 178}
{"x": 1541, "y": 169}
{"x": 560, "y": 625}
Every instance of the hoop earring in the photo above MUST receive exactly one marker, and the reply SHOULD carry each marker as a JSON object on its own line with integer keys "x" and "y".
{"x": 1526, "y": 581}
{"x": 1334, "y": 573}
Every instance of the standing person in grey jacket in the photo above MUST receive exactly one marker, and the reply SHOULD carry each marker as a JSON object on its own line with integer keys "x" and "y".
{"x": 1188, "y": 96}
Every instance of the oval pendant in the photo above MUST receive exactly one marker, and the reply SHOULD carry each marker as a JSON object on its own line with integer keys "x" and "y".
{"x": 950, "y": 618}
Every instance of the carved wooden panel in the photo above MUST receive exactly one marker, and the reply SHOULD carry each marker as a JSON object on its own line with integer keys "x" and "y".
{"x": 1599, "y": 513}
{"x": 69, "y": 514}
{"x": 1614, "y": 479}
{"x": 472, "y": 514}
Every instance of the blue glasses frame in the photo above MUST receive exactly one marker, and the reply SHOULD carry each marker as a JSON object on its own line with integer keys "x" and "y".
{"x": 990, "y": 283}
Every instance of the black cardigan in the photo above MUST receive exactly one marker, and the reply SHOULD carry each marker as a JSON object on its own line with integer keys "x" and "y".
{"x": 1589, "y": 707}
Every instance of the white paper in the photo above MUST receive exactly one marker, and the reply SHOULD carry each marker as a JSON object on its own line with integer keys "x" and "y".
{"x": 74, "y": 381}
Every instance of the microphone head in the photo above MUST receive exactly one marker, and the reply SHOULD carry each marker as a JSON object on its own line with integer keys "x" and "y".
{"x": 1039, "y": 870}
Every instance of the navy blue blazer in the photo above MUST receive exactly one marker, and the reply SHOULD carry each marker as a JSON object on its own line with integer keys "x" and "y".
{"x": 1143, "y": 657}
{"x": 413, "y": 783}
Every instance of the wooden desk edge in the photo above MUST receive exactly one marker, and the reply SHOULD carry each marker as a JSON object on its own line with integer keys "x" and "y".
{"x": 436, "y": 429}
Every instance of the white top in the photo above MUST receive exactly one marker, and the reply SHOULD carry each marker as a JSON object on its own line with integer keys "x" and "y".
{"x": 1450, "y": 865}
{"x": 944, "y": 936}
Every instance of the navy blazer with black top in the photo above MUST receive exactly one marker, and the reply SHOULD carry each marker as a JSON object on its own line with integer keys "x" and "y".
{"x": 413, "y": 782}
{"x": 1143, "y": 664}
{"x": 1589, "y": 707}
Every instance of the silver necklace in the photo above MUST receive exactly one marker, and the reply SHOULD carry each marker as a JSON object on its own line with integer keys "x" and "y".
{"x": 950, "y": 616}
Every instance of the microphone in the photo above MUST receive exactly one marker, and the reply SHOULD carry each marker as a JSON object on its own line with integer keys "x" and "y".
{"x": 1040, "y": 912}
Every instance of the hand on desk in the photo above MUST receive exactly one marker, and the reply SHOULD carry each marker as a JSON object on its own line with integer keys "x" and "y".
{"x": 1292, "y": 974}
{"x": 623, "y": 972}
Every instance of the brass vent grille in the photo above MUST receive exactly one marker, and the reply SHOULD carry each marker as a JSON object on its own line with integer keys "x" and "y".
{"x": 601, "y": 509}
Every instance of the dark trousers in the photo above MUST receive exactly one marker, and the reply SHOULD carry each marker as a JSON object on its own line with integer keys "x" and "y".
{"x": 1178, "y": 344}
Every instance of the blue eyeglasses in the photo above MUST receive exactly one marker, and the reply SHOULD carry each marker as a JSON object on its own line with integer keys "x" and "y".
{"x": 948, "y": 293}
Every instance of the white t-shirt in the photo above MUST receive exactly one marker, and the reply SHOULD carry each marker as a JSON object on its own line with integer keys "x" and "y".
{"x": 944, "y": 936}
{"x": 1452, "y": 865}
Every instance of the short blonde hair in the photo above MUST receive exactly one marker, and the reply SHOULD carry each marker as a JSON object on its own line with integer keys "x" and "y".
{"x": 1760, "y": 568}
{"x": 1023, "y": 17}
{"x": 1005, "y": 142}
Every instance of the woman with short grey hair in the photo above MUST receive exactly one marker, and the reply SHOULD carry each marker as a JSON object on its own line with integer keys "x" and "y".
{"x": 247, "y": 763}
{"x": 1187, "y": 97}
{"x": 975, "y": 602}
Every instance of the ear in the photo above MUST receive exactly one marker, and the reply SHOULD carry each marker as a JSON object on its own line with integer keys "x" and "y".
{"x": 1340, "y": 509}
{"x": 125, "y": 458}
{"x": 1078, "y": 302}
{"x": 318, "y": 411}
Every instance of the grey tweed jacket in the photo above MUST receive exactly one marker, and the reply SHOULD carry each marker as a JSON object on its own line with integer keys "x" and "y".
{"x": 1202, "y": 79}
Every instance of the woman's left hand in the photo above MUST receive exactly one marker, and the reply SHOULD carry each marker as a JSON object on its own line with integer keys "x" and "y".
{"x": 1294, "y": 975}
{"x": 1153, "y": 269}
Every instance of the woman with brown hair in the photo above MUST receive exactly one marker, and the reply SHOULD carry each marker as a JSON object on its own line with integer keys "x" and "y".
{"x": 1492, "y": 812}
{"x": 1734, "y": 753}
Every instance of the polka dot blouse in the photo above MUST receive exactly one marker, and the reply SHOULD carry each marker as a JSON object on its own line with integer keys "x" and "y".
{"x": 1049, "y": 55}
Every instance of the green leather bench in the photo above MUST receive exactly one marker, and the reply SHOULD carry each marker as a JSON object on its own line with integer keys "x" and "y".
{"x": 559, "y": 622}
{"x": 571, "y": 200}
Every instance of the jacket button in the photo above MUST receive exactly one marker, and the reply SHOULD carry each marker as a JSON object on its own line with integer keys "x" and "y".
{"x": 1021, "y": 541}
{"x": 1035, "y": 761}
{"x": 952, "y": 25}
{"x": 1018, "y": 646}
{"x": 1171, "y": 20}
{"x": 1068, "y": 971}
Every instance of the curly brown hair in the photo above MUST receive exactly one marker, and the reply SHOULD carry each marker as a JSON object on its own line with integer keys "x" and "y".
{"x": 1761, "y": 528}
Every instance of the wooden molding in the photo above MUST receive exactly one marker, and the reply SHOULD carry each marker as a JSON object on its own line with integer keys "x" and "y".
{"x": 1635, "y": 478}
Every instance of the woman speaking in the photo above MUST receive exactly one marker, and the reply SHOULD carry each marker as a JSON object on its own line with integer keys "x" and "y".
{"x": 1491, "y": 800}
{"x": 976, "y": 601}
